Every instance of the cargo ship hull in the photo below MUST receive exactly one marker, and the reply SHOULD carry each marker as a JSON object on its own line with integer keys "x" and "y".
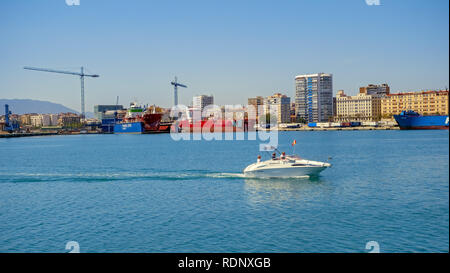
{"x": 418, "y": 122}
{"x": 128, "y": 128}
{"x": 138, "y": 128}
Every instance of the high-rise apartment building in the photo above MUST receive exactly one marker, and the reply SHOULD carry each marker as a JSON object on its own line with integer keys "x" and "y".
{"x": 314, "y": 97}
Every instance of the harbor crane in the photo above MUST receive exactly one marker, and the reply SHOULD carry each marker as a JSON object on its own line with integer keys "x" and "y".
{"x": 80, "y": 74}
{"x": 175, "y": 90}
{"x": 8, "y": 126}
{"x": 115, "y": 112}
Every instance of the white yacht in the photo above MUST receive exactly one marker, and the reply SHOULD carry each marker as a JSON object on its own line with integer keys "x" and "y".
{"x": 285, "y": 166}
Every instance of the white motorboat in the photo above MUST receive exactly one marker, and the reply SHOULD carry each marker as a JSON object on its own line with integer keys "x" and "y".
{"x": 285, "y": 166}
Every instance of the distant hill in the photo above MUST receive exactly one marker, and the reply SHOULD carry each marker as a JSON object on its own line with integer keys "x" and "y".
{"x": 24, "y": 106}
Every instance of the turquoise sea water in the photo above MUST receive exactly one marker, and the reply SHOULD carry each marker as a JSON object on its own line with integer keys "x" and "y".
{"x": 148, "y": 193}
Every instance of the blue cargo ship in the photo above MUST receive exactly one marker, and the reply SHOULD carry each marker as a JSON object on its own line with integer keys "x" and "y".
{"x": 128, "y": 128}
{"x": 139, "y": 121}
{"x": 408, "y": 120}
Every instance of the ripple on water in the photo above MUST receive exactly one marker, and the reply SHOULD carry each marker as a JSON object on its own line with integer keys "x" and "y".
{"x": 151, "y": 194}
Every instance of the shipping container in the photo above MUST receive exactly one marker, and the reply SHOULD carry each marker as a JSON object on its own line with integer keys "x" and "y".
{"x": 369, "y": 123}
{"x": 345, "y": 124}
{"x": 335, "y": 124}
{"x": 323, "y": 124}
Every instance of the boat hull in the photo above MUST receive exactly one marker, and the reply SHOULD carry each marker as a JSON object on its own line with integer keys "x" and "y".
{"x": 285, "y": 172}
{"x": 408, "y": 122}
{"x": 425, "y": 128}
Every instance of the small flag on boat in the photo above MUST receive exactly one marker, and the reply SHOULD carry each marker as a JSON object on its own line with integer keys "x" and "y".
{"x": 294, "y": 142}
{"x": 269, "y": 148}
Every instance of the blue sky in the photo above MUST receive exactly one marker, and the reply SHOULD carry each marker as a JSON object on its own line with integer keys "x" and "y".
{"x": 231, "y": 49}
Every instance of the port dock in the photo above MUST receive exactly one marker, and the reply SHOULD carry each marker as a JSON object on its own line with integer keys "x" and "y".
{"x": 26, "y": 134}
{"x": 62, "y": 133}
{"x": 361, "y": 128}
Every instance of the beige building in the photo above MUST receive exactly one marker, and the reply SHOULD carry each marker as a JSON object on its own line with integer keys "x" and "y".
{"x": 425, "y": 103}
{"x": 256, "y": 103}
{"x": 362, "y": 107}
{"x": 36, "y": 120}
{"x": 25, "y": 119}
{"x": 282, "y": 104}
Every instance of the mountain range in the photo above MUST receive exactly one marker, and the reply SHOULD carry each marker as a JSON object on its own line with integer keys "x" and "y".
{"x": 25, "y": 106}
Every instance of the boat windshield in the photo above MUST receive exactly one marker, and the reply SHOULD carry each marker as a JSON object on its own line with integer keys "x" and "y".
{"x": 293, "y": 157}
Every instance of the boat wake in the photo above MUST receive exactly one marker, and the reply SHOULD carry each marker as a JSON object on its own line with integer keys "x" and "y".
{"x": 128, "y": 176}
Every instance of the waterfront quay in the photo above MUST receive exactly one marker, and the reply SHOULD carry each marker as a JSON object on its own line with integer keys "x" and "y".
{"x": 359, "y": 128}
{"x": 305, "y": 128}
{"x": 26, "y": 134}
{"x": 11, "y": 135}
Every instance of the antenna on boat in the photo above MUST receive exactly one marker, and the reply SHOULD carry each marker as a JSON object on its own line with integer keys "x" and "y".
{"x": 269, "y": 148}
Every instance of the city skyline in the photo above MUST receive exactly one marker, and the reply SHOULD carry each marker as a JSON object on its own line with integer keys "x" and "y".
{"x": 232, "y": 50}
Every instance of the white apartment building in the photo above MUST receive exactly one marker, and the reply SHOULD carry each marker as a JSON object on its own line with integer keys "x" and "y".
{"x": 40, "y": 120}
{"x": 200, "y": 102}
{"x": 54, "y": 119}
{"x": 49, "y": 119}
